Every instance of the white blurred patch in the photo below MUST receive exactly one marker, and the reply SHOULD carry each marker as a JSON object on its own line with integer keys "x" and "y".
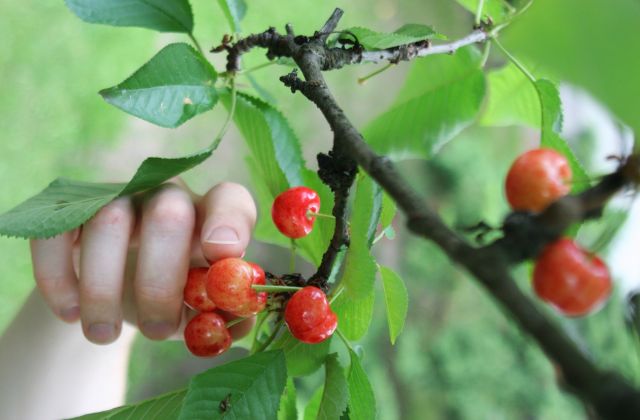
{"x": 583, "y": 113}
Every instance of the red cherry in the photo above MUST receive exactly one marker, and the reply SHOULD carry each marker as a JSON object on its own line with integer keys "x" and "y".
{"x": 290, "y": 211}
{"x": 258, "y": 304}
{"x": 206, "y": 335}
{"x": 195, "y": 291}
{"x": 309, "y": 316}
{"x": 536, "y": 179}
{"x": 571, "y": 279}
{"x": 229, "y": 286}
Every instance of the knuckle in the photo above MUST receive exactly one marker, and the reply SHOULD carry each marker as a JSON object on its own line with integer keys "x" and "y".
{"x": 51, "y": 283}
{"x": 236, "y": 196}
{"x": 114, "y": 213}
{"x": 97, "y": 292}
{"x": 172, "y": 209}
{"x": 158, "y": 294}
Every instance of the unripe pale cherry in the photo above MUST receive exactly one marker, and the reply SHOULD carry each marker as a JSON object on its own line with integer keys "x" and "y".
{"x": 206, "y": 335}
{"x": 291, "y": 211}
{"x": 229, "y": 286}
{"x": 195, "y": 291}
{"x": 309, "y": 316}
{"x": 572, "y": 280}
{"x": 536, "y": 179}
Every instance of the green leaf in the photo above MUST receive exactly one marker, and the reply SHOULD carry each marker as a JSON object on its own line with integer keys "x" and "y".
{"x": 288, "y": 409}
{"x": 271, "y": 141}
{"x": 511, "y": 99}
{"x": 441, "y": 96}
{"x": 396, "y": 299}
{"x": 335, "y": 394}
{"x": 311, "y": 410}
{"x": 62, "y": 206}
{"x": 360, "y": 267}
{"x": 234, "y": 11}
{"x": 354, "y": 314}
{"x": 498, "y": 10}
{"x": 389, "y": 210}
{"x": 66, "y": 204}
{"x": 252, "y": 387}
{"x": 406, "y": 34}
{"x": 551, "y": 127}
{"x": 276, "y": 164}
{"x": 362, "y": 401}
{"x": 165, "y": 406}
{"x": 161, "y": 15}
{"x": 302, "y": 359}
{"x": 173, "y": 87}
{"x": 156, "y": 170}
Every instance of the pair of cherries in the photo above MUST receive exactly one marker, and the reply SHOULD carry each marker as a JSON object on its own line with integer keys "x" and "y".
{"x": 570, "y": 278}
{"x": 308, "y": 314}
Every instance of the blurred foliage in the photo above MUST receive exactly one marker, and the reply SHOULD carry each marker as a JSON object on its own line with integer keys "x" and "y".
{"x": 51, "y": 117}
{"x": 573, "y": 38}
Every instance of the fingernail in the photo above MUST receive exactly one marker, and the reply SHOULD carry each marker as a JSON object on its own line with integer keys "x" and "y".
{"x": 70, "y": 314}
{"x": 102, "y": 332}
{"x": 223, "y": 235}
{"x": 157, "y": 329}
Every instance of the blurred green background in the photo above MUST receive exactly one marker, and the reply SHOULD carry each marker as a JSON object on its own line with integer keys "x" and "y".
{"x": 459, "y": 356}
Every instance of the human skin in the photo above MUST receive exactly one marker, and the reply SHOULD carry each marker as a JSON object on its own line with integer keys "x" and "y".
{"x": 130, "y": 260}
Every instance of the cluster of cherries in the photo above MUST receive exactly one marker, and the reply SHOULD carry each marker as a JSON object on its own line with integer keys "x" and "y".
{"x": 226, "y": 288}
{"x": 573, "y": 280}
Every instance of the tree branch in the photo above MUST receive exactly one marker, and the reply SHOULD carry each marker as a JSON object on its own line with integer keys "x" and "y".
{"x": 607, "y": 392}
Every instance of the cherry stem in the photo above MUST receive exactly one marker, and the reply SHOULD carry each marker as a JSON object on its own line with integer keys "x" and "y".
{"x": 258, "y": 328}
{"x": 336, "y": 293}
{"x": 292, "y": 260}
{"x": 234, "y": 322}
{"x": 272, "y": 337}
{"x": 311, "y": 214}
{"x": 344, "y": 340}
{"x": 258, "y": 67}
{"x": 272, "y": 288}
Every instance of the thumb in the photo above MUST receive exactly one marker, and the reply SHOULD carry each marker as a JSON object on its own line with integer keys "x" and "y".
{"x": 228, "y": 215}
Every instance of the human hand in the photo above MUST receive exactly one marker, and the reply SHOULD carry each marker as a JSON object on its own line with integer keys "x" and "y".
{"x": 130, "y": 260}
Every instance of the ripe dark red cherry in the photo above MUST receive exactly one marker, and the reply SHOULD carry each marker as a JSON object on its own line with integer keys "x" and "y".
{"x": 229, "y": 286}
{"x": 572, "y": 280}
{"x": 536, "y": 179}
{"x": 290, "y": 211}
{"x": 195, "y": 291}
{"x": 309, "y": 316}
{"x": 206, "y": 335}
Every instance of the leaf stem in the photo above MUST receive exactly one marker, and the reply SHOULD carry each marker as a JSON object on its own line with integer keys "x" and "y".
{"x": 485, "y": 55}
{"x": 227, "y": 122}
{"x": 272, "y": 288}
{"x": 196, "y": 43}
{"x": 363, "y": 79}
{"x": 515, "y": 61}
{"x": 479, "y": 12}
